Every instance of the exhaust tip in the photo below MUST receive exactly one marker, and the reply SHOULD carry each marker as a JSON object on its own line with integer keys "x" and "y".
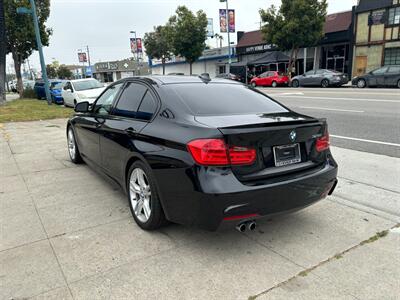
{"x": 252, "y": 225}
{"x": 241, "y": 227}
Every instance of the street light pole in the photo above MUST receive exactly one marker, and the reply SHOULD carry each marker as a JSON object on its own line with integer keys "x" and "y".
{"x": 88, "y": 56}
{"x": 40, "y": 49}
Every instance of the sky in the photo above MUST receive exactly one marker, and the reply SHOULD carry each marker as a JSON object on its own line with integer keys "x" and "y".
{"x": 105, "y": 25}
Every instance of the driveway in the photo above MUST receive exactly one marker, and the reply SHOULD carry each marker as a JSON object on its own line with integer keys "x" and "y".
{"x": 67, "y": 233}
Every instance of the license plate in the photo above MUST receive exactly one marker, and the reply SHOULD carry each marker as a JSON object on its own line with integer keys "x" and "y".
{"x": 287, "y": 155}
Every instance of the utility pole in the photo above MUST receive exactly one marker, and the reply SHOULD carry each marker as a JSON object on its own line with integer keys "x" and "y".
{"x": 32, "y": 11}
{"x": 137, "y": 54}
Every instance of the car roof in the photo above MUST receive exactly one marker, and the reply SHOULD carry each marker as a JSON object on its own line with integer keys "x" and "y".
{"x": 171, "y": 79}
{"x": 83, "y": 79}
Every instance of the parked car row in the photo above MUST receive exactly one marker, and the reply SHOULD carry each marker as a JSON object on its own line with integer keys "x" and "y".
{"x": 388, "y": 76}
{"x": 70, "y": 92}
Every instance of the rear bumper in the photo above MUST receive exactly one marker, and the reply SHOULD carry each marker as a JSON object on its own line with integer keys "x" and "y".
{"x": 210, "y": 197}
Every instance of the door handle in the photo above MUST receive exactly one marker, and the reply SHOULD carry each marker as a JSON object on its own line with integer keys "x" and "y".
{"x": 130, "y": 130}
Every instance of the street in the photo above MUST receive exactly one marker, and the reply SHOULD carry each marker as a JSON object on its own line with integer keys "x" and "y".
{"x": 365, "y": 120}
{"x": 67, "y": 233}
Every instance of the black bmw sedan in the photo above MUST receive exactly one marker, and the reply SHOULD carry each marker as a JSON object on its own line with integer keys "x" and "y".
{"x": 202, "y": 152}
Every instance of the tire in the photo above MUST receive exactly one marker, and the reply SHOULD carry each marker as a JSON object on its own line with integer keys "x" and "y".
{"x": 74, "y": 104}
{"x": 142, "y": 189}
{"x": 398, "y": 84}
{"x": 295, "y": 83}
{"x": 325, "y": 83}
{"x": 73, "y": 150}
{"x": 361, "y": 83}
{"x": 253, "y": 84}
{"x": 274, "y": 84}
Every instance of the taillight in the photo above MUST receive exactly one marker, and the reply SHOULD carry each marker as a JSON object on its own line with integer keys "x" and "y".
{"x": 322, "y": 143}
{"x": 214, "y": 152}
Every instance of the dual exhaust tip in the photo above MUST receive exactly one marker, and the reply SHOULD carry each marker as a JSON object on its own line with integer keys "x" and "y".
{"x": 250, "y": 225}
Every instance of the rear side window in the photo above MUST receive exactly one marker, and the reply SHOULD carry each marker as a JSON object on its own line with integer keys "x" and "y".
{"x": 130, "y": 100}
{"x": 394, "y": 70}
{"x": 147, "y": 107}
{"x": 225, "y": 99}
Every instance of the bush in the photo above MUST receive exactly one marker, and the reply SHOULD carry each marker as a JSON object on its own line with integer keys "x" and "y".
{"x": 29, "y": 93}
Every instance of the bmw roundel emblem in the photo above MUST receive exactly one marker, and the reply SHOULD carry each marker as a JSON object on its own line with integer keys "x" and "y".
{"x": 292, "y": 135}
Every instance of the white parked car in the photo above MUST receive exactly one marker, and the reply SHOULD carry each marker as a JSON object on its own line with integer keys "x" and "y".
{"x": 79, "y": 90}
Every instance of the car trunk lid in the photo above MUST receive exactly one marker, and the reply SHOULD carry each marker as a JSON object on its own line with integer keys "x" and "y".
{"x": 284, "y": 142}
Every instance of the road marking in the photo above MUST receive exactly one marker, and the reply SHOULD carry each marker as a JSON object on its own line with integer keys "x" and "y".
{"x": 364, "y": 140}
{"x": 287, "y": 94}
{"x": 333, "y": 109}
{"x": 345, "y": 99}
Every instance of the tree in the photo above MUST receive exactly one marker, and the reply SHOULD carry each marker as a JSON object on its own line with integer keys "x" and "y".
{"x": 20, "y": 33}
{"x": 2, "y": 54}
{"x": 64, "y": 73}
{"x": 296, "y": 24}
{"x": 220, "y": 38}
{"x": 158, "y": 44}
{"x": 51, "y": 71}
{"x": 189, "y": 33}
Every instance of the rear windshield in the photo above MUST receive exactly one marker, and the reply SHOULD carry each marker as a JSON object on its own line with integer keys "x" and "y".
{"x": 225, "y": 99}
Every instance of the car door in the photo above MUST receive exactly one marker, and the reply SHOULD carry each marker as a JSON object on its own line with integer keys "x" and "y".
{"x": 392, "y": 76}
{"x": 307, "y": 78}
{"x": 377, "y": 77}
{"x": 89, "y": 126}
{"x": 269, "y": 78}
{"x": 121, "y": 131}
{"x": 67, "y": 94}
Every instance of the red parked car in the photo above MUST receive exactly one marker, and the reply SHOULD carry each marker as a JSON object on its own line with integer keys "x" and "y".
{"x": 270, "y": 78}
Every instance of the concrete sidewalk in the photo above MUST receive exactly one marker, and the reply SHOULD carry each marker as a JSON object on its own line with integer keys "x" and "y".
{"x": 68, "y": 234}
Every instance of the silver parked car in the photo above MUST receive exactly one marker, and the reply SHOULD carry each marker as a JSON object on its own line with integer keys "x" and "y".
{"x": 321, "y": 77}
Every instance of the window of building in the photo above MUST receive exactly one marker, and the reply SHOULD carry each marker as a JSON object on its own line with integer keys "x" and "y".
{"x": 221, "y": 69}
{"x": 394, "y": 16}
{"x": 392, "y": 56}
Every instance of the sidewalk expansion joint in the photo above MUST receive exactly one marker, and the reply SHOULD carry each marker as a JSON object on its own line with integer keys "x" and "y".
{"x": 339, "y": 255}
{"x": 368, "y": 184}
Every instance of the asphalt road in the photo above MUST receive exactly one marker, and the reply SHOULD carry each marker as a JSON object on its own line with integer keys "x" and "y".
{"x": 366, "y": 120}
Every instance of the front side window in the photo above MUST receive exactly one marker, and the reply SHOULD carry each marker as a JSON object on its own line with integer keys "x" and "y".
{"x": 394, "y": 16}
{"x": 130, "y": 99}
{"x": 379, "y": 71}
{"x": 392, "y": 56}
{"x": 104, "y": 103}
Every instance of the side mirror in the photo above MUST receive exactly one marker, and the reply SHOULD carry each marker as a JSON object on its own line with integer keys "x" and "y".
{"x": 82, "y": 107}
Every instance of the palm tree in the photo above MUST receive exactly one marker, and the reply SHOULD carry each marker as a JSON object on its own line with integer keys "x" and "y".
{"x": 2, "y": 53}
{"x": 220, "y": 37}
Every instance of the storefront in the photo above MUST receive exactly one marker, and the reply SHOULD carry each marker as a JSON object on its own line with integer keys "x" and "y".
{"x": 377, "y": 35}
{"x": 213, "y": 62}
{"x": 114, "y": 70}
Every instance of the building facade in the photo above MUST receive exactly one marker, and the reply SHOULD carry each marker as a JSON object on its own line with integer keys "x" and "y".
{"x": 333, "y": 52}
{"x": 376, "y": 35}
{"x": 213, "y": 61}
{"x": 114, "y": 70}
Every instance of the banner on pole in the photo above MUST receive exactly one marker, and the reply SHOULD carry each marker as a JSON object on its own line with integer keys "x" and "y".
{"x": 210, "y": 27}
{"x": 82, "y": 57}
{"x": 136, "y": 45}
{"x": 223, "y": 20}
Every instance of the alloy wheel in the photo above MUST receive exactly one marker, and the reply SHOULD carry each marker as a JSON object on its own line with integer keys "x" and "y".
{"x": 361, "y": 83}
{"x": 71, "y": 144}
{"x": 140, "y": 195}
{"x": 325, "y": 83}
{"x": 295, "y": 83}
{"x": 253, "y": 84}
{"x": 398, "y": 84}
{"x": 274, "y": 84}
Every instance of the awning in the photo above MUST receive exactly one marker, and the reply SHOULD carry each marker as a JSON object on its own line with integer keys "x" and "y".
{"x": 269, "y": 58}
{"x": 239, "y": 64}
